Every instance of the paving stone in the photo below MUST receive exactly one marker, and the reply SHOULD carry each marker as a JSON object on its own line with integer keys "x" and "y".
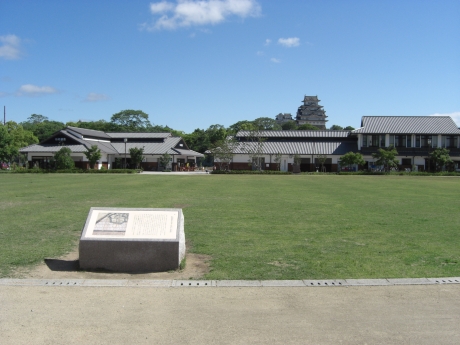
{"x": 367, "y": 282}
{"x": 150, "y": 283}
{"x": 105, "y": 282}
{"x": 409, "y": 281}
{"x": 238, "y": 283}
{"x": 277, "y": 283}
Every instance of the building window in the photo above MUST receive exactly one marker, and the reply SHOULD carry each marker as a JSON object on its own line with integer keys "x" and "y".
{"x": 434, "y": 141}
{"x": 426, "y": 141}
{"x": 417, "y": 141}
{"x": 392, "y": 140}
{"x": 408, "y": 140}
{"x": 449, "y": 141}
{"x": 375, "y": 141}
{"x": 406, "y": 161}
{"x": 382, "y": 140}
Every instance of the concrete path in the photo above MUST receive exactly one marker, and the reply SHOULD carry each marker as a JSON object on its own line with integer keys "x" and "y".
{"x": 385, "y": 314}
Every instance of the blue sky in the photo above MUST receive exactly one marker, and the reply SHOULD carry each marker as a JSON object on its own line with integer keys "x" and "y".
{"x": 190, "y": 64}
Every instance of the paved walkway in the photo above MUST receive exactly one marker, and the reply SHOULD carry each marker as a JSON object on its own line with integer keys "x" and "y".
{"x": 386, "y": 312}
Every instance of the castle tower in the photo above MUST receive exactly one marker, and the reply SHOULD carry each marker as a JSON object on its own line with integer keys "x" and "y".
{"x": 311, "y": 112}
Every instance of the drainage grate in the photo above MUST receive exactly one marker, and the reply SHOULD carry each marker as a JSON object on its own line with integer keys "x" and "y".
{"x": 193, "y": 283}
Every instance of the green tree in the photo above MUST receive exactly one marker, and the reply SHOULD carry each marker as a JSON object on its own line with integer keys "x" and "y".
{"x": 440, "y": 157}
{"x": 277, "y": 160}
{"x": 62, "y": 159}
{"x": 41, "y": 127}
{"x": 21, "y": 137}
{"x": 289, "y": 125}
{"x": 307, "y": 127}
{"x": 349, "y": 128}
{"x": 244, "y": 125}
{"x": 93, "y": 154}
{"x": 36, "y": 118}
{"x": 386, "y": 157}
{"x": 336, "y": 128}
{"x": 266, "y": 124}
{"x": 164, "y": 160}
{"x": 216, "y": 133}
{"x": 351, "y": 158}
{"x": 7, "y": 148}
{"x": 136, "y": 155}
{"x": 223, "y": 152}
{"x": 131, "y": 120}
{"x": 321, "y": 160}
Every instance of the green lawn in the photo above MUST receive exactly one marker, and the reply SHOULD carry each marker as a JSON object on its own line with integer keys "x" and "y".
{"x": 254, "y": 227}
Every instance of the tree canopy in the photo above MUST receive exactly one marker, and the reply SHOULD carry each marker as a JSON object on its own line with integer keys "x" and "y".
{"x": 307, "y": 127}
{"x": 131, "y": 120}
{"x": 93, "y": 154}
{"x": 62, "y": 159}
{"x": 386, "y": 157}
{"x": 440, "y": 157}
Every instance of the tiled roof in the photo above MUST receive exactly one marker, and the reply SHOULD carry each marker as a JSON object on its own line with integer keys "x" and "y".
{"x": 150, "y": 148}
{"x": 300, "y": 147}
{"x": 89, "y": 132}
{"x": 408, "y": 125}
{"x": 188, "y": 153}
{"x": 139, "y": 135}
{"x": 52, "y": 148}
{"x": 296, "y": 134}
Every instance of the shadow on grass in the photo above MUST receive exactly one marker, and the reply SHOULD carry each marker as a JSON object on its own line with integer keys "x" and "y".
{"x": 63, "y": 265}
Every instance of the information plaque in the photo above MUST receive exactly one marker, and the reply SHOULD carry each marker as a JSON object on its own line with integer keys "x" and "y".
{"x": 132, "y": 240}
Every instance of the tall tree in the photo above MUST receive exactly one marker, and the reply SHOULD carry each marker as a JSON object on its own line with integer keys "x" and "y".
{"x": 244, "y": 125}
{"x": 7, "y": 149}
{"x": 336, "y": 128}
{"x": 289, "y": 125}
{"x": 266, "y": 124}
{"x": 93, "y": 154}
{"x": 136, "y": 155}
{"x": 131, "y": 120}
{"x": 42, "y": 129}
{"x": 223, "y": 151}
{"x": 386, "y": 157}
{"x": 351, "y": 158}
{"x": 440, "y": 157}
{"x": 307, "y": 127}
{"x": 62, "y": 159}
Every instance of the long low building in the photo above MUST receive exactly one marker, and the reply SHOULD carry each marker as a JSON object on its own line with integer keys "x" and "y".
{"x": 114, "y": 148}
{"x": 414, "y": 137}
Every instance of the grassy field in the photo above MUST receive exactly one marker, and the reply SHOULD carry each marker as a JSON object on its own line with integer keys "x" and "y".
{"x": 253, "y": 227}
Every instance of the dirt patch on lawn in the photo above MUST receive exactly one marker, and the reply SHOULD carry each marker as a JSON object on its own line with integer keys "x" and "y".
{"x": 66, "y": 267}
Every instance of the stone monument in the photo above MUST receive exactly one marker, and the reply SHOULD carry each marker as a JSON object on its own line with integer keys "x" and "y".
{"x": 132, "y": 239}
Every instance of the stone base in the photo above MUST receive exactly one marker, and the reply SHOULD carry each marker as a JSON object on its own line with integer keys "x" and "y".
{"x": 134, "y": 254}
{"x": 129, "y": 256}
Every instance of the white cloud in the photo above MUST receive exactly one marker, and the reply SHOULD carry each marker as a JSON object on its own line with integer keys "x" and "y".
{"x": 3, "y": 94}
{"x": 11, "y": 47}
{"x": 33, "y": 90}
{"x": 161, "y": 7}
{"x": 267, "y": 42}
{"x": 185, "y": 13}
{"x": 260, "y": 53}
{"x": 275, "y": 60}
{"x": 289, "y": 42}
{"x": 96, "y": 97}
{"x": 455, "y": 116}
